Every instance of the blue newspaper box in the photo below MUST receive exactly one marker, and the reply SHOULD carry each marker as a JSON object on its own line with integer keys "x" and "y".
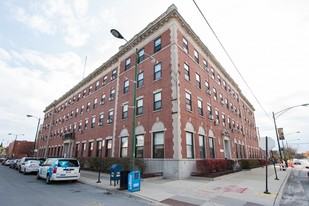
{"x": 134, "y": 181}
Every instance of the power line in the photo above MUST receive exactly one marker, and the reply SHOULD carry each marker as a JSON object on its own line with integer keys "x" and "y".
{"x": 231, "y": 60}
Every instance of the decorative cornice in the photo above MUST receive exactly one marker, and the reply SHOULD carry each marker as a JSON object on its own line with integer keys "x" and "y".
{"x": 170, "y": 13}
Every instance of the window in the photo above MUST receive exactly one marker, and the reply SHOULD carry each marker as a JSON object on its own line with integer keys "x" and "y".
{"x": 110, "y": 116}
{"x": 185, "y": 45}
{"x": 112, "y": 95}
{"x": 108, "y": 152}
{"x": 90, "y": 149}
{"x": 125, "y": 111}
{"x": 126, "y": 86}
{"x": 157, "y": 72}
{"x": 205, "y": 64}
{"x": 198, "y": 80}
{"x": 86, "y": 124}
{"x": 82, "y": 109}
{"x": 102, "y": 99}
{"x": 229, "y": 122}
{"x": 124, "y": 147}
{"x": 83, "y": 149}
{"x": 188, "y": 102}
{"x": 139, "y": 106}
{"x": 99, "y": 148}
{"x": 157, "y": 45}
{"x": 92, "y": 122}
{"x": 215, "y": 94}
{"x": 76, "y": 150}
{"x": 158, "y": 145}
{"x": 189, "y": 143}
{"x": 187, "y": 72}
{"x": 223, "y": 119}
{"x": 212, "y": 73}
{"x": 219, "y": 80}
{"x": 84, "y": 93}
{"x": 207, "y": 88}
{"x": 95, "y": 101}
{"x": 209, "y": 110}
{"x": 97, "y": 85}
{"x": 80, "y": 126}
{"x": 101, "y": 119}
{"x": 88, "y": 106}
{"x": 90, "y": 89}
{"x": 217, "y": 116}
{"x": 76, "y": 112}
{"x": 141, "y": 55}
{"x": 127, "y": 64}
{"x": 211, "y": 147}
{"x": 157, "y": 101}
{"x": 224, "y": 85}
{"x": 202, "y": 146}
{"x": 221, "y": 98}
{"x": 114, "y": 74}
{"x": 236, "y": 148}
{"x": 140, "y": 79}
{"x": 104, "y": 80}
{"x": 200, "y": 107}
{"x": 139, "y": 146}
{"x": 196, "y": 58}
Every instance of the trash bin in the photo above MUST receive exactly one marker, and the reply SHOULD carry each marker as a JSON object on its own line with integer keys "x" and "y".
{"x": 115, "y": 173}
{"x": 124, "y": 180}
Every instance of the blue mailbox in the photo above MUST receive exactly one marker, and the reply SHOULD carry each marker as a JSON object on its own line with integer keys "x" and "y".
{"x": 115, "y": 173}
{"x": 134, "y": 181}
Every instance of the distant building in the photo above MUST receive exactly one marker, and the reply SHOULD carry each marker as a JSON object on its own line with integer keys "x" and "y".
{"x": 20, "y": 148}
{"x": 187, "y": 105}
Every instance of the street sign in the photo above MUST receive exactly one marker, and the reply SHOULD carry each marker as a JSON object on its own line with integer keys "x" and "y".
{"x": 270, "y": 141}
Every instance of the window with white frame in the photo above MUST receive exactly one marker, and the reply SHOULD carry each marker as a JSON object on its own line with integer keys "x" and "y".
{"x": 189, "y": 144}
{"x": 112, "y": 95}
{"x": 185, "y": 45}
{"x": 200, "y": 107}
{"x": 95, "y": 101}
{"x": 86, "y": 124}
{"x": 114, "y": 74}
{"x": 127, "y": 64}
{"x": 212, "y": 147}
{"x": 157, "y": 45}
{"x": 196, "y": 56}
{"x": 88, "y": 106}
{"x": 158, "y": 144}
{"x": 139, "y": 106}
{"x": 198, "y": 80}
{"x": 92, "y": 122}
{"x": 157, "y": 101}
{"x": 188, "y": 102}
{"x": 108, "y": 151}
{"x": 124, "y": 147}
{"x": 202, "y": 146}
{"x": 212, "y": 73}
{"x": 103, "y": 99}
{"x": 157, "y": 72}
{"x": 141, "y": 55}
{"x": 139, "y": 146}
{"x": 97, "y": 85}
{"x": 140, "y": 79}
{"x": 126, "y": 86}
{"x": 125, "y": 111}
{"x": 104, "y": 82}
{"x": 209, "y": 110}
{"x": 186, "y": 71}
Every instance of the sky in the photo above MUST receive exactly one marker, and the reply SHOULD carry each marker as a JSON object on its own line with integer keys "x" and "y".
{"x": 44, "y": 46}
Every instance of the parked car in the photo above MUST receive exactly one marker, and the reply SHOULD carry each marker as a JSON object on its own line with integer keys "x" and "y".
{"x": 297, "y": 162}
{"x": 13, "y": 163}
{"x": 8, "y": 161}
{"x": 30, "y": 166}
{"x": 22, "y": 162}
{"x": 59, "y": 169}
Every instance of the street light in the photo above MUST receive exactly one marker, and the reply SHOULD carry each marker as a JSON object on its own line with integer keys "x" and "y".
{"x": 13, "y": 150}
{"x": 117, "y": 34}
{"x": 278, "y": 114}
{"x": 37, "y": 130}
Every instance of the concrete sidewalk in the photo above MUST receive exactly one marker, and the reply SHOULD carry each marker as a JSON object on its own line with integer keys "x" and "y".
{"x": 242, "y": 188}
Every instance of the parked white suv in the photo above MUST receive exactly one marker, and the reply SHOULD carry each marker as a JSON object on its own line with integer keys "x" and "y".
{"x": 59, "y": 169}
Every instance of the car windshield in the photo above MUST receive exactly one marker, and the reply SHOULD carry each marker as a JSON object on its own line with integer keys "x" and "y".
{"x": 68, "y": 163}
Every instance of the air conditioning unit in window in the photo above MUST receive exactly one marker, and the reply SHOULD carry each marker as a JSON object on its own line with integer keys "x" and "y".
{"x": 222, "y": 102}
{"x": 216, "y": 122}
{"x": 208, "y": 91}
{"x": 210, "y": 116}
{"x": 102, "y": 102}
{"x": 109, "y": 121}
{"x": 100, "y": 123}
{"x": 111, "y": 98}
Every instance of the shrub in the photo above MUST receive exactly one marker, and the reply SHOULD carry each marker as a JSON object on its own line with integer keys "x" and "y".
{"x": 208, "y": 166}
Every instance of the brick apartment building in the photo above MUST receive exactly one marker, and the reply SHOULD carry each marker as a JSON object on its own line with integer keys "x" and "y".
{"x": 187, "y": 105}
{"x": 20, "y": 148}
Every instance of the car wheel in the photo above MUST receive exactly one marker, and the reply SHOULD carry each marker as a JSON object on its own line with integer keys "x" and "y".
{"x": 48, "y": 179}
{"x": 38, "y": 176}
{"x": 19, "y": 170}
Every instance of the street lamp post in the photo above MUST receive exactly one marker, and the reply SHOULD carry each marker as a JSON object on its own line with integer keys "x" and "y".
{"x": 117, "y": 34}
{"x": 36, "y": 134}
{"x": 14, "y": 147}
{"x": 275, "y": 116}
